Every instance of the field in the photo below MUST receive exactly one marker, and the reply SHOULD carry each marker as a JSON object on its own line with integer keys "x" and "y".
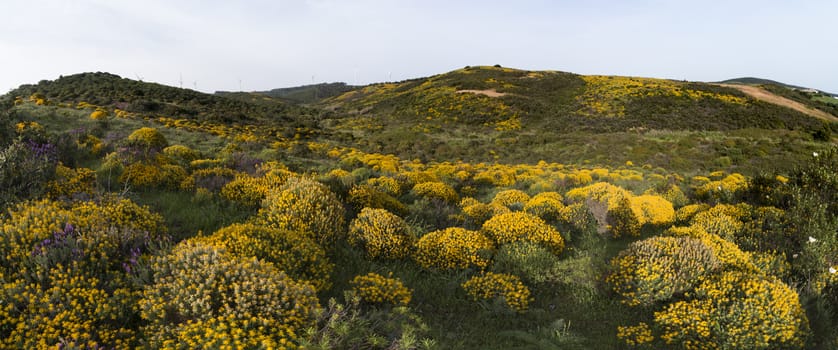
{"x": 559, "y": 212}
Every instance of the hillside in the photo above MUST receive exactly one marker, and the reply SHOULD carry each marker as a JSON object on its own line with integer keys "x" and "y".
{"x": 309, "y": 93}
{"x": 486, "y": 208}
{"x": 529, "y": 116}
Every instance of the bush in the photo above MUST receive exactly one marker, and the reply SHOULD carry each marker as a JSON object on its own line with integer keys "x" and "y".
{"x": 546, "y": 205}
{"x": 197, "y": 286}
{"x": 25, "y": 167}
{"x": 652, "y": 210}
{"x": 511, "y": 198}
{"x": 658, "y": 268}
{"x": 530, "y": 261}
{"x": 436, "y": 190}
{"x": 508, "y": 288}
{"x": 367, "y": 196}
{"x": 377, "y": 289}
{"x": 304, "y": 205}
{"x": 736, "y": 310}
{"x": 515, "y": 226}
{"x": 291, "y": 252}
{"x": 149, "y": 139}
{"x": 381, "y": 234}
{"x": 453, "y": 248}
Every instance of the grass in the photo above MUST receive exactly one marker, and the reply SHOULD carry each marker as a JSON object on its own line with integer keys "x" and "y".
{"x": 187, "y": 215}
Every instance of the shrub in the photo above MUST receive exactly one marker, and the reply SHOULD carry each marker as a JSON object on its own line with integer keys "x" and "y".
{"x": 515, "y": 226}
{"x": 351, "y": 325}
{"x": 529, "y": 260}
{"x": 436, "y": 190}
{"x": 181, "y": 155}
{"x": 304, "y": 205}
{"x": 507, "y": 288}
{"x": 453, "y": 248}
{"x": 610, "y": 206}
{"x": 687, "y": 212}
{"x": 381, "y": 234}
{"x": 655, "y": 269}
{"x": 197, "y": 283}
{"x": 736, "y": 310}
{"x": 477, "y": 213}
{"x": 148, "y": 139}
{"x": 292, "y": 252}
{"x": 511, "y": 198}
{"x": 652, "y": 210}
{"x": 546, "y": 205}
{"x": 72, "y": 183}
{"x": 377, "y": 289}
{"x": 724, "y": 189}
{"x": 24, "y": 169}
{"x": 245, "y": 190}
{"x": 366, "y": 196}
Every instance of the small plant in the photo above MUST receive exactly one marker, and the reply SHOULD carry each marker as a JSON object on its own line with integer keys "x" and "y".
{"x": 508, "y": 288}
{"x": 377, "y": 289}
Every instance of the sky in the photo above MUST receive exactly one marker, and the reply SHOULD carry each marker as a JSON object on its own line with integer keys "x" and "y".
{"x": 212, "y": 45}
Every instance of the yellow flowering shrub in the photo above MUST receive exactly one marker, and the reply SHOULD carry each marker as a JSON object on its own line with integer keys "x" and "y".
{"x": 367, "y": 196}
{"x": 652, "y": 210}
{"x": 246, "y": 190}
{"x": 508, "y": 288}
{"x": 436, "y": 190}
{"x": 145, "y": 174}
{"x": 511, "y": 198}
{"x": 727, "y": 252}
{"x": 292, "y": 252}
{"x": 197, "y": 282}
{"x": 99, "y": 114}
{"x": 546, "y": 205}
{"x": 718, "y": 222}
{"x": 119, "y": 213}
{"x": 181, "y": 155}
{"x": 377, "y": 289}
{"x": 453, "y": 248}
{"x": 68, "y": 309}
{"x": 149, "y": 138}
{"x": 305, "y": 205}
{"x": 638, "y": 335}
{"x": 610, "y": 206}
{"x": 687, "y": 212}
{"x": 386, "y": 184}
{"x": 230, "y": 331}
{"x": 656, "y": 268}
{"x": 497, "y": 175}
{"x": 72, "y": 183}
{"x": 723, "y": 189}
{"x": 515, "y": 226}
{"x": 736, "y": 310}
{"x": 477, "y": 212}
{"x": 381, "y": 234}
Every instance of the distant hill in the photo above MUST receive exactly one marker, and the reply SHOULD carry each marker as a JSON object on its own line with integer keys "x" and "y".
{"x": 107, "y": 89}
{"x": 309, "y": 93}
{"x": 760, "y": 81}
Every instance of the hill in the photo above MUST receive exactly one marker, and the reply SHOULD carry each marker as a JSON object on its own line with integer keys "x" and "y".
{"x": 496, "y": 113}
{"x": 309, "y": 93}
{"x": 105, "y": 89}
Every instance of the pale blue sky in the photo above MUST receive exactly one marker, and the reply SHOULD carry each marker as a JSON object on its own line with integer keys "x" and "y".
{"x": 267, "y": 44}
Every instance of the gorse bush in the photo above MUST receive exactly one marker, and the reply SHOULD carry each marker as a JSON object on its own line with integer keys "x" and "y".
{"x": 291, "y": 252}
{"x": 736, "y": 310}
{"x": 515, "y": 226}
{"x": 509, "y": 288}
{"x": 511, "y": 198}
{"x": 436, "y": 190}
{"x": 658, "y": 268}
{"x": 381, "y": 234}
{"x": 377, "y": 289}
{"x": 198, "y": 287}
{"x": 304, "y": 205}
{"x": 546, "y": 205}
{"x": 453, "y": 248}
{"x": 652, "y": 210}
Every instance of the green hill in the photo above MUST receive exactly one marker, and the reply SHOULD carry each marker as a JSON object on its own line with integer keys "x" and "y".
{"x": 309, "y": 93}
{"x": 495, "y": 113}
{"x": 104, "y": 89}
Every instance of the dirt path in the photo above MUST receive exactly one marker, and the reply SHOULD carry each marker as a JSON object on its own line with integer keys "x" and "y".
{"x": 763, "y": 95}
{"x": 490, "y": 93}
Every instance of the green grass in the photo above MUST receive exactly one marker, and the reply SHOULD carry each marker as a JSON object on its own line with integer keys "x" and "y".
{"x": 187, "y": 215}
{"x": 826, "y": 99}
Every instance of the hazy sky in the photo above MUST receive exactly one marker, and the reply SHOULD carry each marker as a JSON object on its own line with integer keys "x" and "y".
{"x": 215, "y": 45}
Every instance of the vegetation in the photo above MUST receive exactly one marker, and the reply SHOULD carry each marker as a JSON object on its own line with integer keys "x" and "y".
{"x": 485, "y": 208}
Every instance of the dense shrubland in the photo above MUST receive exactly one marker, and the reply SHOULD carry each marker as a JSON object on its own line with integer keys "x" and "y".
{"x": 136, "y": 229}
